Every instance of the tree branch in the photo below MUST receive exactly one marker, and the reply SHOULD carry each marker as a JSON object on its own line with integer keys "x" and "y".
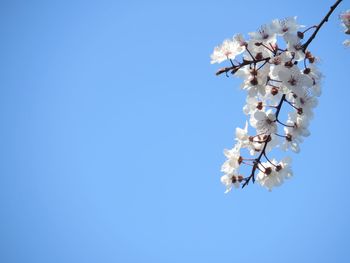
{"x": 263, "y": 151}
{"x": 234, "y": 68}
{"x": 324, "y": 20}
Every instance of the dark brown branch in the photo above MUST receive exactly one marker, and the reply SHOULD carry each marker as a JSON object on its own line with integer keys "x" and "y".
{"x": 324, "y": 20}
{"x": 256, "y": 163}
{"x": 234, "y": 68}
{"x": 263, "y": 151}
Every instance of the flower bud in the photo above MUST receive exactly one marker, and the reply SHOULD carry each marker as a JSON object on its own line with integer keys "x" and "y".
{"x": 288, "y": 64}
{"x": 259, "y": 56}
{"x": 278, "y": 168}
{"x": 254, "y": 81}
{"x": 260, "y": 105}
{"x": 300, "y": 34}
{"x": 307, "y": 71}
{"x": 274, "y": 91}
{"x": 268, "y": 170}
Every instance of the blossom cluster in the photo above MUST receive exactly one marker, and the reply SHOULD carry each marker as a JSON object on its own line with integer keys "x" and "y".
{"x": 277, "y": 70}
{"x": 345, "y": 18}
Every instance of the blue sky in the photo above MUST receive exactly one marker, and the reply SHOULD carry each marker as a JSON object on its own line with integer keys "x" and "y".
{"x": 112, "y": 131}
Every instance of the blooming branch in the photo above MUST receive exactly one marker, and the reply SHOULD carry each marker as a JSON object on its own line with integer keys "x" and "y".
{"x": 272, "y": 76}
{"x": 345, "y": 18}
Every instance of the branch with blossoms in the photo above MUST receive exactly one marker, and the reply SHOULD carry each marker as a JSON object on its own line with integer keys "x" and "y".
{"x": 278, "y": 70}
{"x": 345, "y": 18}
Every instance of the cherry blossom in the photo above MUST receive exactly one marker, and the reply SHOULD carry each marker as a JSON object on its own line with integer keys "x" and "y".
{"x": 282, "y": 26}
{"x": 233, "y": 160}
{"x": 273, "y": 174}
{"x": 231, "y": 180}
{"x": 229, "y": 49}
{"x": 345, "y": 18}
{"x": 278, "y": 71}
{"x": 264, "y": 122}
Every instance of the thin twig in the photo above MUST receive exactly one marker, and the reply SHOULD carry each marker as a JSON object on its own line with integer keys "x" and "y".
{"x": 234, "y": 68}
{"x": 324, "y": 20}
{"x": 252, "y": 174}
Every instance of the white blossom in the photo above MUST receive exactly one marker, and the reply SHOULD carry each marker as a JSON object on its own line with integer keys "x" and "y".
{"x": 266, "y": 34}
{"x": 264, "y": 122}
{"x": 233, "y": 159}
{"x": 345, "y": 18}
{"x": 272, "y": 76}
{"x": 294, "y": 45}
{"x": 230, "y": 180}
{"x": 229, "y": 49}
{"x": 273, "y": 174}
{"x": 293, "y": 79}
{"x": 282, "y": 26}
{"x": 305, "y": 102}
{"x": 252, "y": 105}
{"x": 295, "y": 132}
{"x": 254, "y": 81}
{"x": 242, "y": 136}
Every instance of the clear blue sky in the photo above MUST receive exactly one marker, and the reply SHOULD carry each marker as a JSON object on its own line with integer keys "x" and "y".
{"x": 112, "y": 131}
